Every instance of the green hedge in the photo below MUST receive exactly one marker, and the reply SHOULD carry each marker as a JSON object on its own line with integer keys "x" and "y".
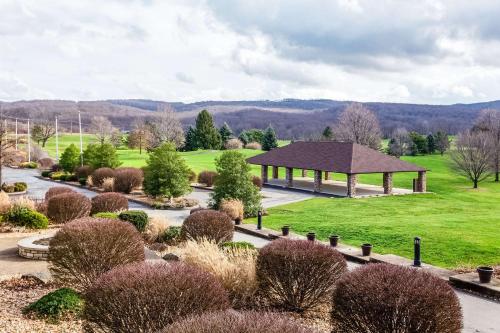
{"x": 106, "y": 215}
{"x": 25, "y": 217}
{"x": 137, "y": 217}
{"x": 57, "y": 304}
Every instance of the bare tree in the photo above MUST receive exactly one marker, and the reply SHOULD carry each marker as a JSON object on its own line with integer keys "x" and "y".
{"x": 102, "y": 129}
{"x": 139, "y": 135}
{"x": 399, "y": 143}
{"x": 472, "y": 156}
{"x": 44, "y": 128}
{"x": 489, "y": 123}
{"x": 165, "y": 127}
{"x": 359, "y": 125}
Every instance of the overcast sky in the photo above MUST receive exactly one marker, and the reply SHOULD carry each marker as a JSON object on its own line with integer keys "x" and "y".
{"x": 192, "y": 50}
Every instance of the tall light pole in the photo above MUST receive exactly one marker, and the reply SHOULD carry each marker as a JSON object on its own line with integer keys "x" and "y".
{"x": 81, "y": 139}
{"x": 29, "y": 142}
{"x": 57, "y": 143}
{"x": 16, "y": 134}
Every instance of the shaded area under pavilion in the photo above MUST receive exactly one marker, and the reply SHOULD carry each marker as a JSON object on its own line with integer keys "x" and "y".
{"x": 327, "y": 157}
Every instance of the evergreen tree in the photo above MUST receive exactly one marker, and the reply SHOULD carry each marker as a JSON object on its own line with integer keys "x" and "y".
{"x": 190, "y": 140}
{"x": 269, "y": 140}
{"x": 419, "y": 144}
{"x": 101, "y": 156}
{"x": 225, "y": 133}
{"x": 207, "y": 136}
{"x": 166, "y": 173}
{"x": 431, "y": 144}
{"x": 70, "y": 158}
{"x": 327, "y": 133}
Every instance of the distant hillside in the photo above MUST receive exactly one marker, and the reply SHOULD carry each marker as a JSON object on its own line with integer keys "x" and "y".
{"x": 292, "y": 118}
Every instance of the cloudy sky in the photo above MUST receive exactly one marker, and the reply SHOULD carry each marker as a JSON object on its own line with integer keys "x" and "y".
{"x": 191, "y": 50}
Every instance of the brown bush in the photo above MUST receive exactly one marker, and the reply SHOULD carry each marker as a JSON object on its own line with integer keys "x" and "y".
{"x": 146, "y": 297}
{"x": 257, "y": 181}
{"x": 238, "y": 322}
{"x": 207, "y": 177}
{"x": 208, "y": 224}
{"x": 253, "y": 145}
{"x": 233, "y": 208}
{"x": 83, "y": 171}
{"x": 108, "y": 184}
{"x": 100, "y": 174}
{"x": 233, "y": 144}
{"x": 388, "y": 298}
{"x": 45, "y": 163}
{"x": 86, "y": 248}
{"x": 197, "y": 209}
{"x": 298, "y": 275}
{"x": 127, "y": 179}
{"x": 56, "y": 190}
{"x": 109, "y": 202}
{"x": 68, "y": 206}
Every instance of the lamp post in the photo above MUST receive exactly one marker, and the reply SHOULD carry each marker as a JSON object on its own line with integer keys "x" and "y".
{"x": 416, "y": 250}
{"x": 259, "y": 220}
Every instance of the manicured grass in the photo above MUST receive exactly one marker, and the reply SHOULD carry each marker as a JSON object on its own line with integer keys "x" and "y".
{"x": 459, "y": 226}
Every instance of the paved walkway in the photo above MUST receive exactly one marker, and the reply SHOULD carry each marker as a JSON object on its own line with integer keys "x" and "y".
{"x": 480, "y": 315}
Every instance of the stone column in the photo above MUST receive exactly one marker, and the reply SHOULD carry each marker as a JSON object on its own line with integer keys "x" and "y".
{"x": 289, "y": 177}
{"x": 387, "y": 182}
{"x": 422, "y": 182}
{"x": 327, "y": 175}
{"x": 263, "y": 173}
{"x": 317, "y": 180}
{"x": 304, "y": 173}
{"x": 275, "y": 172}
{"x": 351, "y": 185}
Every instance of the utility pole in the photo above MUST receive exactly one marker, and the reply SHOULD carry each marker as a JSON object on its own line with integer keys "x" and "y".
{"x": 81, "y": 139}
{"x": 16, "y": 134}
{"x": 29, "y": 142}
{"x": 57, "y": 143}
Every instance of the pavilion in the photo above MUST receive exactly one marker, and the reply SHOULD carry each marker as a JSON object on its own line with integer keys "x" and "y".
{"x": 327, "y": 157}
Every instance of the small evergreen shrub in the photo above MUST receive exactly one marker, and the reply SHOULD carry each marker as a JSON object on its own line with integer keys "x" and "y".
{"x": 106, "y": 215}
{"x": 127, "y": 179}
{"x": 56, "y": 190}
{"x": 65, "y": 207}
{"x": 109, "y": 202}
{"x": 20, "y": 186}
{"x": 45, "y": 173}
{"x": 389, "y": 298}
{"x": 82, "y": 181}
{"x": 100, "y": 174}
{"x": 28, "y": 165}
{"x": 208, "y": 224}
{"x": 145, "y": 297}
{"x": 172, "y": 235}
{"x": 58, "y": 175}
{"x": 26, "y": 217}
{"x": 138, "y": 218}
{"x": 298, "y": 275}
{"x": 56, "y": 168}
{"x": 70, "y": 158}
{"x": 56, "y": 305}
{"x": 237, "y": 245}
{"x": 86, "y": 248}
{"x": 207, "y": 177}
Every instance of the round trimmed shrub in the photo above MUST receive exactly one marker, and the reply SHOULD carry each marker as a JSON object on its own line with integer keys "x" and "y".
{"x": 20, "y": 186}
{"x": 109, "y": 202}
{"x": 298, "y": 275}
{"x": 56, "y": 190}
{"x": 45, "y": 163}
{"x": 208, "y": 224}
{"x": 83, "y": 171}
{"x": 145, "y": 297}
{"x": 57, "y": 304}
{"x": 257, "y": 181}
{"x": 100, "y": 174}
{"x": 238, "y": 322}
{"x": 389, "y": 298}
{"x": 86, "y": 248}
{"x": 138, "y": 218}
{"x": 68, "y": 206}
{"x": 127, "y": 179}
{"x": 207, "y": 177}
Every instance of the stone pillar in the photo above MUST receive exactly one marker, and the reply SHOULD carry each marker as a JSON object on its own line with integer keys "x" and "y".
{"x": 289, "y": 177}
{"x": 387, "y": 182}
{"x": 263, "y": 173}
{"x": 327, "y": 175}
{"x": 317, "y": 180}
{"x": 351, "y": 185}
{"x": 304, "y": 173}
{"x": 422, "y": 182}
{"x": 275, "y": 172}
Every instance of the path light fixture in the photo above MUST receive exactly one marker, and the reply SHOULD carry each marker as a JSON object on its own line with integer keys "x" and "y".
{"x": 311, "y": 236}
{"x": 416, "y": 252}
{"x": 285, "y": 230}
{"x": 334, "y": 240}
{"x": 366, "y": 249}
{"x": 259, "y": 220}
{"x": 237, "y": 221}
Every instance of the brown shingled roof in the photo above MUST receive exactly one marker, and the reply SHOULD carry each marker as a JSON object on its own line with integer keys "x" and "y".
{"x": 343, "y": 157}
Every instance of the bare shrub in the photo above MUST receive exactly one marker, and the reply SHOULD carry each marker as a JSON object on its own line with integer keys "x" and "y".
{"x": 233, "y": 208}
{"x": 109, "y": 202}
{"x": 388, "y": 298}
{"x": 253, "y": 145}
{"x": 83, "y": 171}
{"x": 234, "y": 268}
{"x": 68, "y": 206}
{"x": 108, "y": 184}
{"x": 238, "y": 322}
{"x": 257, "y": 181}
{"x": 100, "y": 174}
{"x": 155, "y": 229}
{"x": 4, "y": 202}
{"x": 146, "y": 297}
{"x": 207, "y": 177}
{"x": 127, "y": 179}
{"x": 233, "y": 144}
{"x": 298, "y": 275}
{"x": 45, "y": 163}
{"x": 56, "y": 190}
{"x": 208, "y": 224}
{"x": 86, "y": 248}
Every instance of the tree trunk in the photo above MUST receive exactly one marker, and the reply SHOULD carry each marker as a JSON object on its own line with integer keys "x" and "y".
{"x": 496, "y": 175}
{"x": 475, "y": 183}
{"x": 44, "y": 142}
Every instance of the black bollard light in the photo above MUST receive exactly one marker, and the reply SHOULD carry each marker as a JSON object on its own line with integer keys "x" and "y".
{"x": 416, "y": 250}
{"x": 259, "y": 220}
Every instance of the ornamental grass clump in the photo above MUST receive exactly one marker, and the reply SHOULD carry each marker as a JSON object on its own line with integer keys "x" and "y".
{"x": 146, "y": 297}
{"x": 389, "y": 298}
{"x": 65, "y": 207}
{"x": 100, "y": 174}
{"x": 128, "y": 179}
{"x": 53, "y": 191}
{"x": 110, "y": 202}
{"x": 208, "y": 224}
{"x": 108, "y": 184}
{"x": 233, "y": 208}
{"x": 86, "y": 248}
{"x": 298, "y": 275}
{"x": 4, "y": 202}
{"x": 238, "y": 322}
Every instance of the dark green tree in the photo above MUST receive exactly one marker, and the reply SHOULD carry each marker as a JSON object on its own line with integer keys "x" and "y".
{"x": 234, "y": 181}
{"x": 225, "y": 133}
{"x": 431, "y": 144}
{"x": 251, "y": 135}
{"x": 70, "y": 158}
{"x": 327, "y": 133}
{"x": 269, "y": 140}
{"x": 190, "y": 140}
{"x": 101, "y": 156}
{"x": 419, "y": 143}
{"x": 166, "y": 173}
{"x": 207, "y": 136}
